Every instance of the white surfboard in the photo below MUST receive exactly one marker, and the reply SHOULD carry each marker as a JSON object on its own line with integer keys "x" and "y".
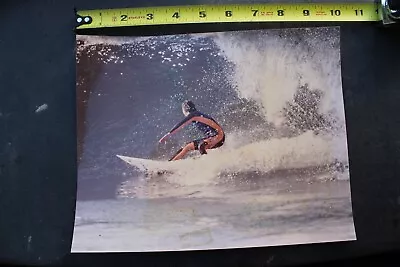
{"x": 149, "y": 165}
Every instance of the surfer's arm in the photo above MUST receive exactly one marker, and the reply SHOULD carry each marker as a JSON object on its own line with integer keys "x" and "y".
{"x": 181, "y": 124}
{"x": 177, "y": 127}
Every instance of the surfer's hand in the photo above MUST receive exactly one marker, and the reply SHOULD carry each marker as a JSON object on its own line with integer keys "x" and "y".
{"x": 162, "y": 140}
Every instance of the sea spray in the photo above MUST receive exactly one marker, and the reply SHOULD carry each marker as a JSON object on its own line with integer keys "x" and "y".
{"x": 277, "y": 94}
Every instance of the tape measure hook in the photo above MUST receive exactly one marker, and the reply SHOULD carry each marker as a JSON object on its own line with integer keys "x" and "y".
{"x": 82, "y": 20}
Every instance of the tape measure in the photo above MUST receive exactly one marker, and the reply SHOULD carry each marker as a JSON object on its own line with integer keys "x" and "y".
{"x": 268, "y": 12}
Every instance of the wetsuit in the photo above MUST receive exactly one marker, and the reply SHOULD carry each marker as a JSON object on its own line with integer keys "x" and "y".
{"x": 214, "y": 135}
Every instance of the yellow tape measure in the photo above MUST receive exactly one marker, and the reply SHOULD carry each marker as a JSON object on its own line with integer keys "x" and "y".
{"x": 270, "y": 12}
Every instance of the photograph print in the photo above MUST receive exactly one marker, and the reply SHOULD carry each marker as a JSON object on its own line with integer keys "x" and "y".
{"x": 211, "y": 141}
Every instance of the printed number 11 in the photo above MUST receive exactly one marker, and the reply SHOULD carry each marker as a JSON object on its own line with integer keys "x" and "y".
{"x": 359, "y": 12}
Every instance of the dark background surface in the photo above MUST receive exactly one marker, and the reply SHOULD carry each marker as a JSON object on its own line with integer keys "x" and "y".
{"x": 38, "y": 150}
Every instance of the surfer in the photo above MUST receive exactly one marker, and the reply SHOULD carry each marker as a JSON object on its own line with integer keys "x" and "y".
{"x": 214, "y": 135}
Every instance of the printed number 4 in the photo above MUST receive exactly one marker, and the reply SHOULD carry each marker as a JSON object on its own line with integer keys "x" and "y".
{"x": 175, "y": 15}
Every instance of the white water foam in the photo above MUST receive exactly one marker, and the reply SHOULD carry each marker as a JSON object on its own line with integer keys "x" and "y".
{"x": 269, "y": 70}
{"x": 306, "y": 150}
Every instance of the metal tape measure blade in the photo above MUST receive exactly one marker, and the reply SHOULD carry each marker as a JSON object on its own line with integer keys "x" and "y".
{"x": 271, "y": 12}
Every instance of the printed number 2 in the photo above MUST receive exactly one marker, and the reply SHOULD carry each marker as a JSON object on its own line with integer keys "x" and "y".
{"x": 175, "y": 15}
{"x": 124, "y": 17}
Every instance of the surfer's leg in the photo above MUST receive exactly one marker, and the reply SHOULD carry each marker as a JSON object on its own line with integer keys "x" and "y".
{"x": 183, "y": 151}
{"x": 179, "y": 151}
{"x": 215, "y": 141}
{"x": 220, "y": 141}
{"x": 200, "y": 145}
{"x": 202, "y": 148}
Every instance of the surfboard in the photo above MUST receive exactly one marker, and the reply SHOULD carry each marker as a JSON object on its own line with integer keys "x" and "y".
{"x": 149, "y": 165}
{"x": 146, "y": 164}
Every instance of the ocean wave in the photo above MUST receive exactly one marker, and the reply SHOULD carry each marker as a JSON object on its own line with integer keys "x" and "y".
{"x": 279, "y": 98}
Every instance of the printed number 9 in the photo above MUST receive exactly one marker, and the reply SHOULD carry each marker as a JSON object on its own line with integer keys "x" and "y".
{"x": 306, "y": 12}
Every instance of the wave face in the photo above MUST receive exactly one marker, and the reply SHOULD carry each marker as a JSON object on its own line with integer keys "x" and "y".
{"x": 277, "y": 94}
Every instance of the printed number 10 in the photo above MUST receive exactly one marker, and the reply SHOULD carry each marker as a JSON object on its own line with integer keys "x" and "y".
{"x": 335, "y": 12}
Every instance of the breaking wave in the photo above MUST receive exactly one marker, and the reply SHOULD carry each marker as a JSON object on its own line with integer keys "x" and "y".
{"x": 280, "y": 98}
